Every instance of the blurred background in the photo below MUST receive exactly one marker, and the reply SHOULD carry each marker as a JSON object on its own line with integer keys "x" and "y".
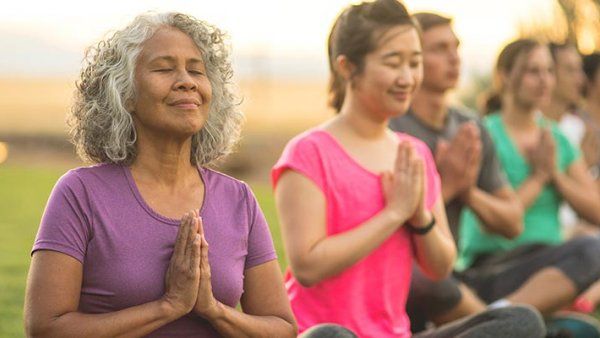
{"x": 279, "y": 56}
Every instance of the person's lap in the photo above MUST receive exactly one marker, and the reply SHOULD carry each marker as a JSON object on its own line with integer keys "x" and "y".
{"x": 495, "y": 276}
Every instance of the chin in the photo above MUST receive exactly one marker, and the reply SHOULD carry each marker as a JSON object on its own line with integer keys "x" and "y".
{"x": 399, "y": 111}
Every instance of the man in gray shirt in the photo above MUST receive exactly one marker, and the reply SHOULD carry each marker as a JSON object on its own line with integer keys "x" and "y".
{"x": 470, "y": 172}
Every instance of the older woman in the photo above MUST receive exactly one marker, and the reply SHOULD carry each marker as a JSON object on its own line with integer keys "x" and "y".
{"x": 122, "y": 248}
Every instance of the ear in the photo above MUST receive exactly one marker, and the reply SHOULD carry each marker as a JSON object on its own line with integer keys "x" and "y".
{"x": 344, "y": 67}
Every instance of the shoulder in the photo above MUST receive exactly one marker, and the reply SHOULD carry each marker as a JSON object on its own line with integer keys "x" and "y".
{"x": 79, "y": 178}
{"x": 218, "y": 181}
{"x": 311, "y": 138}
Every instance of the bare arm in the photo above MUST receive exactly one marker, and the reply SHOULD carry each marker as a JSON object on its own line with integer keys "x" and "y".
{"x": 501, "y": 212}
{"x": 267, "y": 312}
{"x": 529, "y": 191}
{"x": 54, "y": 286}
{"x": 314, "y": 256}
{"x": 435, "y": 251}
{"x": 52, "y": 298}
{"x": 577, "y": 188}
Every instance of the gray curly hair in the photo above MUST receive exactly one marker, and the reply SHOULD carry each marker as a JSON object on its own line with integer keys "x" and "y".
{"x": 100, "y": 126}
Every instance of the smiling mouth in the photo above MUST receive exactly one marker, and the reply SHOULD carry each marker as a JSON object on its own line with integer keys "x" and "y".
{"x": 186, "y": 106}
{"x": 400, "y": 96}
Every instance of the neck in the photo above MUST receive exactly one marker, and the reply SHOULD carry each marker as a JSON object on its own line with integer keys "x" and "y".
{"x": 358, "y": 120}
{"x": 164, "y": 161}
{"x": 430, "y": 107}
{"x": 517, "y": 116}
{"x": 556, "y": 109}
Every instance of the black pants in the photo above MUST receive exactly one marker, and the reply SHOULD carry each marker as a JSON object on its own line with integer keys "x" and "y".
{"x": 497, "y": 275}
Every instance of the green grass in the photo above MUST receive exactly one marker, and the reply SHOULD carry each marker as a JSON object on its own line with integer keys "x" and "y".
{"x": 23, "y": 195}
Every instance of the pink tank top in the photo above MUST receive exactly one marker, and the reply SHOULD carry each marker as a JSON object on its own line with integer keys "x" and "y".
{"x": 370, "y": 297}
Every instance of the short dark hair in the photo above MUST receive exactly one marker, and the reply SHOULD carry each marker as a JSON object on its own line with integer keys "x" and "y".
{"x": 591, "y": 65}
{"x": 355, "y": 34}
{"x": 428, "y": 20}
{"x": 555, "y": 47}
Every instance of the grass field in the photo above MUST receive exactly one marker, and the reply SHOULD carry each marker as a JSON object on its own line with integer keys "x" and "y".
{"x": 23, "y": 195}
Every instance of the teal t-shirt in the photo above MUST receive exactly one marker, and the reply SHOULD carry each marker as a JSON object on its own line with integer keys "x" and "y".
{"x": 541, "y": 224}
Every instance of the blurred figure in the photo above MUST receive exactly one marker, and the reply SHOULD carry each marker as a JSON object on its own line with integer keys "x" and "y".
{"x": 566, "y": 97}
{"x": 359, "y": 203}
{"x": 591, "y": 114}
{"x": 563, "y": 108}
{"x": 118, "y": 252}
{"x": 538, "y": 267}
{"x": 470, "y": 173}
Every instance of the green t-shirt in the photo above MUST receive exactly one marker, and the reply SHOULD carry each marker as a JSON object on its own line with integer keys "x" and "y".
{"x": 541, "y": 224}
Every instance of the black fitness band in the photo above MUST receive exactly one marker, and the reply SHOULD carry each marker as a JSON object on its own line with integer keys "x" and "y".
{"x": 424, "y": 230}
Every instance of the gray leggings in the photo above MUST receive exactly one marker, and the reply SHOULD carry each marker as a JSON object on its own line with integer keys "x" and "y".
{"x": 507, "y": 322}
{"x": 497, "y": 275}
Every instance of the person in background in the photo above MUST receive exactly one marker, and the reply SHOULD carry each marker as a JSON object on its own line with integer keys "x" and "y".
{"x": 538, "y": 267}
{"x": 470, "y": 173}
{"x": 123, "y": 245}
{"x": 590, "y": 112}
{"x": 590, "y": 146}
{"x": 563, "y": 108}
{"x": 358, "y": 203}
{"x": 566, "y": 97}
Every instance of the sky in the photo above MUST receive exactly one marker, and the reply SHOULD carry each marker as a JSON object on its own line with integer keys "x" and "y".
{"x": 274, "y": 37}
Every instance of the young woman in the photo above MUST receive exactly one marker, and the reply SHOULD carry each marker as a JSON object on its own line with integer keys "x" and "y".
{"x": 358, "y": 203}
{"x": 537, "y": 267}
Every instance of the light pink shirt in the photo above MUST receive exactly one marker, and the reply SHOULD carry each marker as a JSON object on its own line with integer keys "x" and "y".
{"x": 369, "y": 297}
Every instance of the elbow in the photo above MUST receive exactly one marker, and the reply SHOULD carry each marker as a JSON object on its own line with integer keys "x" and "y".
{"x": 513, "y": 226}
{"x": 305, "y": 273}
{"x": 35, "y": 329}
{"x": 439, "y": 273}
{"x": 595, "y": 219}
{"x": 514, "y": 230}
{"x": 306, "y": 278}
{"x": 442, "y": 268}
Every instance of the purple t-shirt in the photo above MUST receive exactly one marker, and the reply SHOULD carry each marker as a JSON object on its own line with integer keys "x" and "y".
{"x": 97, "y": 215}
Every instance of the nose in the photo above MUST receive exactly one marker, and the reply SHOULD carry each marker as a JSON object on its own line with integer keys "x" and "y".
{"x": 404, "y": 77}
{"x": 184, "y": 81}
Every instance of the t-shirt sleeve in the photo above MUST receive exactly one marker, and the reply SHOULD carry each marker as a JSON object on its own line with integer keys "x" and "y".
{"x": 433, "y": 188}
{"x": 301, "y": 155}
{"x": 568, "y": 153}
{"x": 260, "y": 244}
{"x": 491, "y": 176}
{"x": 66, "y": 222}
